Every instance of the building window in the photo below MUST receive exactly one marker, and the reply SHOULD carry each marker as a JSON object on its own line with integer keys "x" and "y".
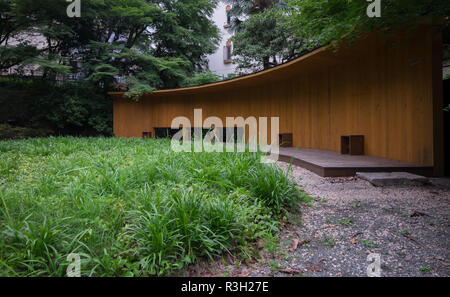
{"x": 228, "y": 23}
{"x": 227, "y": 53}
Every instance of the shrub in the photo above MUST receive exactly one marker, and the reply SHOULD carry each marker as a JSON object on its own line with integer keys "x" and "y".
{"x": 11, "y": 132}
{"x": 203, "y": 78}
{"x": 67, "y": 109}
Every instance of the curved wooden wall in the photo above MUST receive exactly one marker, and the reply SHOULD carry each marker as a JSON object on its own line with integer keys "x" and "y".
{"x": 386, "y": 90}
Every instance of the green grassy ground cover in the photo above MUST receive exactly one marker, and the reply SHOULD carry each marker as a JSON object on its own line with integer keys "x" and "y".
{"x": 131, "y": 207}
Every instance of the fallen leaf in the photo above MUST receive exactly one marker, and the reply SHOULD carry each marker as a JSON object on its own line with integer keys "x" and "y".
{"x": 314, "y": 269}
{"x": 354, "y": 241}
{"x": 294, "y": 245}
{"x": 304, "y": 241}
{"x": 260, "y": 244}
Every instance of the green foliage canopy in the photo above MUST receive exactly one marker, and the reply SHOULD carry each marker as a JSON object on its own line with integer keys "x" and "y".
{"x": 324, "y": 21}
{"x": 264, "y": 41}
{"x": 241, "y": 9}
{"x": 203, "y": 78}
{"x": 152, "y": 44}
{"x": 269, "y": 32}
{"x": 262, "y": 38}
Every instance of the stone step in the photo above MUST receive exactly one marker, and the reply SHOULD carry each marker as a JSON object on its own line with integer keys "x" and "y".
{"x": 385, "y": 179}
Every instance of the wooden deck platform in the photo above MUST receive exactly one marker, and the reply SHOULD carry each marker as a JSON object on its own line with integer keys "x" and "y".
{"x": 333, "y": 164}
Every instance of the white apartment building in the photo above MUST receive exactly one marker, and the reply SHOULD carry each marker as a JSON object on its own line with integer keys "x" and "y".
{"x": 220, "y": 62}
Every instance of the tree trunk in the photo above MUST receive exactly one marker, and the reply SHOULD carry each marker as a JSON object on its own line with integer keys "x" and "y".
{"x": 266, "y": 63}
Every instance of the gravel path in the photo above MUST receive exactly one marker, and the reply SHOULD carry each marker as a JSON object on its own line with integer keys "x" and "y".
{"x": 350, "y": 219}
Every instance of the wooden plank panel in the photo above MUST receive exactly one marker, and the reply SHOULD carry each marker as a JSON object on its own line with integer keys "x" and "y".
{"x": 389, "y": 94}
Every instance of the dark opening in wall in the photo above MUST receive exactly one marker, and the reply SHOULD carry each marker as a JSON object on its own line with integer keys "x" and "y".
{"x": 146, "y": 134}
{"x": 228, "y": 134}
{"x": 165, "y": 132}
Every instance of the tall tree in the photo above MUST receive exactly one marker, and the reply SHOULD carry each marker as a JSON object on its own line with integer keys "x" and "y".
{"x": 152, "y": 44}
{"x": 242, "y": 9}
{"x": 262, "y": 38}
{"x": 185, "y": 30}
{"x": 12, "y": 22}
{"x": 264, "y": 42}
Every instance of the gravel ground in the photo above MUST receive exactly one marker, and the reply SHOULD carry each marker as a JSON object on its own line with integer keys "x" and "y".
{"x": 350, "y": 219}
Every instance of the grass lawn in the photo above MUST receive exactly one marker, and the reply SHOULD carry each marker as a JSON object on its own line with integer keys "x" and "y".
{"x": 131, "y": 207}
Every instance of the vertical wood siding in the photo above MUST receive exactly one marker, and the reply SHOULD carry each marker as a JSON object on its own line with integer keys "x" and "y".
{"x": 382, "y": 89}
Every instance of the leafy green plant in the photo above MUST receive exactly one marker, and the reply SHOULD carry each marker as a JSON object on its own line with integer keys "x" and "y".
{"x": 446, "y": 76}
{"x": 328, "y": 241}
{"x": 132, "y": 207}
{"x": 264, "y": 40}
{"x": 46, "y": 109}
{"x": 202, "y": 78}
{"x": 346, "y": 222}
{"x": 182, "y": 34}
{"x": 325, "y": 21}
{"x": 368, "y": 243}
{"x": 11, "y": 132}
{"x": 356, "y": 204}
{"x": 405, "y": 232}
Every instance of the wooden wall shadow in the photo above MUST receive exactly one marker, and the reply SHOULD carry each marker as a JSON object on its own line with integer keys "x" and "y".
{"x": 447, "y": 127}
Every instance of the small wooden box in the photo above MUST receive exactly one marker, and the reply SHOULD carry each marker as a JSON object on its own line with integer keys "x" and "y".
{"x": 146, "y": 134}
{"x": 286, "y": 140}
{"x": 352, "y": 145}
